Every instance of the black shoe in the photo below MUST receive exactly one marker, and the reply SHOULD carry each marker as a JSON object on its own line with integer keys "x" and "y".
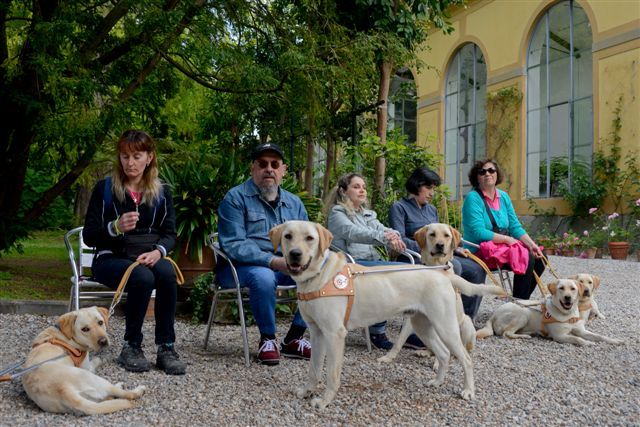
{"x": 381, "y": 341}
{"x": 169, "y": 361}
{"x": 132, "y": 358}
{"x": 414, "y": 343}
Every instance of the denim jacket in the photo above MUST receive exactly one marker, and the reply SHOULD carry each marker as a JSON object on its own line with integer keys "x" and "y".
{"x": 245, "y": 218}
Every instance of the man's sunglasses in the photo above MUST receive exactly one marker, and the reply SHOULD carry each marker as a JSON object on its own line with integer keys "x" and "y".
{"x": 482, "y": 172}
{"x": 262, "y": 164}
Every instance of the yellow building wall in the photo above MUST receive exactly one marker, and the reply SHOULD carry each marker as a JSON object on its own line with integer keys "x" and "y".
{"x": 502, "y": 29}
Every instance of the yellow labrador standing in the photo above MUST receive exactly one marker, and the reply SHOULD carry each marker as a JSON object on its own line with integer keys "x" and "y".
{"x": 69, "y": 384}
{"x": 437, "y": 244}
{"x": 427, "y": 294}
{"x": 557, "y": 317}
{"x": 587, "y": 304}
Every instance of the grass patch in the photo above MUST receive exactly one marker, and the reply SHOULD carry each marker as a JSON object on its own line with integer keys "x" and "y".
{"x": 40, "y": 273}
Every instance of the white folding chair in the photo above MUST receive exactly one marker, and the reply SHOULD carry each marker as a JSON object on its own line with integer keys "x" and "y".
{"x": 238, "y": 294}
{"x": 83, "y": 286}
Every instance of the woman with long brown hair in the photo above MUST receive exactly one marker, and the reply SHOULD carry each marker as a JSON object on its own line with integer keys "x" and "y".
{"x": 131, "y": 218}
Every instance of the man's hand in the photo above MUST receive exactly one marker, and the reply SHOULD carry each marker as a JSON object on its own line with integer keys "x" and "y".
{"x": 278, "y": 264}
{"x": 150, "y": 259}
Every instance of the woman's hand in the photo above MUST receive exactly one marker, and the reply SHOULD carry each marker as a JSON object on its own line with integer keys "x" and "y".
{"x": 394, "y": 241}
{"x": 127, "y": 221}
{"x": 536, "y": 251}
{"x": 150, "y": 259}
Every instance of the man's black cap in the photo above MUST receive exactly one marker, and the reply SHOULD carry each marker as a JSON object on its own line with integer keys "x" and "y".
{"x": 267, "y": 146}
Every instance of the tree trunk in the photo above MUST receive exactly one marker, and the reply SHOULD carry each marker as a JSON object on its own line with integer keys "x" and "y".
{"x": 308, "y": 169}
{"x": 329, "y": 164}
{"x": 383, "y": 95}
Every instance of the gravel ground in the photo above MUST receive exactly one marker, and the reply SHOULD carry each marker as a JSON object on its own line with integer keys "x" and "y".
{"x": 518, "y": 382}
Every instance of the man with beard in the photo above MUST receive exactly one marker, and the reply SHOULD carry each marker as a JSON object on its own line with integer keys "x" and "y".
{"x": 245, "y": 216}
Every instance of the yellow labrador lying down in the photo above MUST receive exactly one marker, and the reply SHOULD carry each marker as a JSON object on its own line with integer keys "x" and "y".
{"x": 69, "y": 384}
{"x": 557, "y": 317}
{"x": 427, "y": 294}
{"x": 437, "y": 242}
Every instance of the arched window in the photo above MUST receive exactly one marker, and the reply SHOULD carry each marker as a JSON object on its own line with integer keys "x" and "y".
{"x": 402, "y": 104}
{"x": 465, "y": 117}
{"x": 559, "y": 99}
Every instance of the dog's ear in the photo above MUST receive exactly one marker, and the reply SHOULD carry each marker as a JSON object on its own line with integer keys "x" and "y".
{"x": 65, "y": 323}
{"x": 420, "y": 237}
{"x": 325, "y": 238}
{"x": 573, "y": 277}
{"x": 105, "y": 315}
{"x": 275, "y": 234}
{"x": 596, "y": 281}
{"x": 580, "y": 288}
{"x": 456, "y": 238}
{"x": 553, "y": 287}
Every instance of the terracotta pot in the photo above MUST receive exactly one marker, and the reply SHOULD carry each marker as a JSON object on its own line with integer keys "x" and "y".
{"x": 591, "y": 252}
{"x": 638, "y": 255}
{"x": 549, "y": 251}
{"x": 569, "y": 252}
{"x": 599, "y": 253}
{"x": 619, "y": 250}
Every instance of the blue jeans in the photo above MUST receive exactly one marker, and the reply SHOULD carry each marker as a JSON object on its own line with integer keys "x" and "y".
{"x": 109, "y": 269}
{"x": 377, "y": 328}
{"x": 262, "y": 282}
{"x": 471, "y": 271}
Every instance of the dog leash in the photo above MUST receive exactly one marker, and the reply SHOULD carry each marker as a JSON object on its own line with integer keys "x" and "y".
{"x": 125, "y": 278}
{"x": 397, "y": 269}
{"x": 8, "y": 374}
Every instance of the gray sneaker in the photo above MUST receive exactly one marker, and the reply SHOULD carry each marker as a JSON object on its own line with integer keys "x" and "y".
{"x": 132, "y": 358}
{"x": 169, "y": 361}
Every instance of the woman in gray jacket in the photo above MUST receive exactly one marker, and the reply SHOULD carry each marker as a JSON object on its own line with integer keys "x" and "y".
{"x": 357, "y": 231}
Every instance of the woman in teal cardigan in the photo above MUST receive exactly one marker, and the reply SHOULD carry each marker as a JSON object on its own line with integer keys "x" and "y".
{"x": 484, "y": 176}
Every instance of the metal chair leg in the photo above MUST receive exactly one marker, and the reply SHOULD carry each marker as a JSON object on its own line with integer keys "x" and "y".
{"x": 367, "y": 337}
{"x": 243, "y": 326}
{"x": 211, "y": 314}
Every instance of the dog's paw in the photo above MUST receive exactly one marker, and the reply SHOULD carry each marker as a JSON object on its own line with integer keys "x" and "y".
{"x": 616, "y": 341}
{"x": 422, "y": 353}
{"x": 302, "y": 392}
{"x": 319, "y": 403}
{"x": 385, "y": 359}
{"x": 138, "y": 391}
{"x": 468, "y": 394}
{"x": 119, "y": 385}
{"x": 435, "y": 383}
{"x": 600, "y": 316}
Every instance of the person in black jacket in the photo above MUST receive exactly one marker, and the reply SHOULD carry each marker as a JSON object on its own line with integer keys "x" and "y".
{"x": 131, "y": 218}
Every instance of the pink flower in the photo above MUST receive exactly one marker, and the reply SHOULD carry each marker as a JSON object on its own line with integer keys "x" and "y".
{"x": 638, "y": 203}
{"x": 613, "y": 215}
{"x": 585, "y": 233}
{"x": 592, "y": 210}
{"x": 565, "y": 235}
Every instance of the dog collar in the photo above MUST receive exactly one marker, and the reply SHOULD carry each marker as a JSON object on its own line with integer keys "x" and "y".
{"x": 340, "y": 285}
{"x": 584, "y": 306}
{"x": 76, "y": 355}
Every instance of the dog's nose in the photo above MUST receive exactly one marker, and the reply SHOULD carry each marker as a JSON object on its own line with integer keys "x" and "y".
{"x": 440, "y": 247}
{"x": 103, "y": 341}
{"x": 295, "y": 254}
{"x": 585, "y": 293}
{"x": 567, "y": 299}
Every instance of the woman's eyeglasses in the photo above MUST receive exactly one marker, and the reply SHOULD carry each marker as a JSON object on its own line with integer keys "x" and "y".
{"x": 262, "y": 164}
{"x": 483, "y": 172}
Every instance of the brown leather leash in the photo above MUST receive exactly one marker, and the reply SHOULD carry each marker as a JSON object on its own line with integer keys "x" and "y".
{"x": 125, "y": 278}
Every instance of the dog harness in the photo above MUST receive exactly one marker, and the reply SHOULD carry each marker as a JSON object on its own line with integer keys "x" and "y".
{"x": 76, "y": 355}
{"x": 584, "y": 307}
{"x": 340, "y": 285}
{"x": 548, "y": 318}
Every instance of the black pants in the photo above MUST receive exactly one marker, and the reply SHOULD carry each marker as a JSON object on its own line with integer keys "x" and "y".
{"x": 109, "y": 269}
{"x": 525, "y": 284}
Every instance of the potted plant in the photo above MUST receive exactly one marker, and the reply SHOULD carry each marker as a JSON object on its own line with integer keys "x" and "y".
{"x": 568, "y": 244}
{"x": 618, "y": 237}
{"x": 198, "y": 184}
{"x": 548, "y": 242}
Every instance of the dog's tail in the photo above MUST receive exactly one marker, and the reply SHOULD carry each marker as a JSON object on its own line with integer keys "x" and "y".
{"x": 470, "y": 289}
{"x": 487, "y": 331}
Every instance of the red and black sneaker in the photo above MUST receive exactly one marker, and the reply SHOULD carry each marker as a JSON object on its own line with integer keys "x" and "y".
{"x": 297, "y": 349}
{"x": 268, "y": 353}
